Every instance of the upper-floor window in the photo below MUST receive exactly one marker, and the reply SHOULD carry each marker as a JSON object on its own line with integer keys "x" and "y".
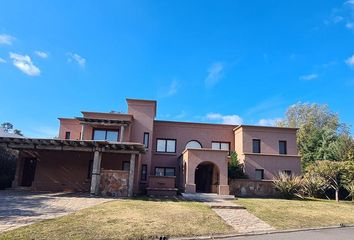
{"x": 108, "y": 135}
{"x": 256, "y": 146}
{"x": 67, "y": 135}
{"x": 146, "y": 139}
{"x": 282, "y": 147}
{"x": 166, "y": 145}
{"x": 220, "y": 146}
{"x": 193, "y": 144}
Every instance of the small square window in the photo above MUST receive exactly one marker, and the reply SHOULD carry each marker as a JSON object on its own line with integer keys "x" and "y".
{"x": 259, "y": 174}
{"x": 67, "y": 135}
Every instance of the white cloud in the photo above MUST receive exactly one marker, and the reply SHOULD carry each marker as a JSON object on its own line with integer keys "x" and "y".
{"x": 6, "y": 39}
{"x": 269, "y": 121}
{"x": 25, "y": 64}
{"x": 350, "y": 61}
{"x": 41, "y": 54}
{"x": 351, "y": 2}
{"x": 2, "y": 60}
{"x": 309, "y": 77}
{"x": 172, "y": 90}
{"x": 215, "y": 73}
{"x": 349, "y": 25}
{"x": 77, "y": 58}
{"x": 225, "y": 119}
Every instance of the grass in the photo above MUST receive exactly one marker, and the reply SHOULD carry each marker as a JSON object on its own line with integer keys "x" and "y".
{"x": 287, "y": 214}
{"x": 127, "y": 219}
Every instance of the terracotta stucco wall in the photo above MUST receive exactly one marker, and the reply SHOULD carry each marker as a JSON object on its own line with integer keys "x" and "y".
{"x": 69, "y": 125}
{"x": 271, "y": 165}
{"x": 270, "y": 138}
{"x": 144, "y": 113}
{"x": 183, "y": 133}
{"x": 68, "y": 170}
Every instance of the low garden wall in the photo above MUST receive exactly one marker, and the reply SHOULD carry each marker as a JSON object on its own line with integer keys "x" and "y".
{"x": 114, "y": 183}
{"x": 161, "y": 186}
{"x": 252, "y": 188}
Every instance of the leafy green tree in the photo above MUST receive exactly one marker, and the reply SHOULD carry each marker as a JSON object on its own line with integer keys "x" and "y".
{"x": 335, "y": 174}
{"x": 321, "y": 135}
{"x": 235, "y": 170}
{"x": 350, "y": 189}
{"x": 7, "y": 126}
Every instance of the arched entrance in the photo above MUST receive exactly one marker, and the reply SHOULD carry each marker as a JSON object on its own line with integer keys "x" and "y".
{"x": 206, "y": 177}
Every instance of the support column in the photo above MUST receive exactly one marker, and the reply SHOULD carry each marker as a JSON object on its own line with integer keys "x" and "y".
{"x": 82, "y": 132}
{"x": 96, "y": 171}
{"x": 131, "y": 175}
{"x": 19, "y": 167}
{"x": 190, "y": 186}
{"x": 122, "y": 133}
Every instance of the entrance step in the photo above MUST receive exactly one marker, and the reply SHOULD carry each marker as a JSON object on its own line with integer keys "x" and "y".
{"x": 227, "y": 207}
{"x": 207, "y": 197}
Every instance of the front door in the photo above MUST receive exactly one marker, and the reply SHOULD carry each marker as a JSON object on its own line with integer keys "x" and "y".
{"x": 29, "y": 169}
{"x": 204, "y": 178}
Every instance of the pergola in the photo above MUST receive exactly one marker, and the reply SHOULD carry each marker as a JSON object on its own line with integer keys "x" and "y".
{"x": 96, "y": 147}
{"x": 104, "y": 122}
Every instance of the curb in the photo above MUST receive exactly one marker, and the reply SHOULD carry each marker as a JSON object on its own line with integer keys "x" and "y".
{"x": 263, "y": 233}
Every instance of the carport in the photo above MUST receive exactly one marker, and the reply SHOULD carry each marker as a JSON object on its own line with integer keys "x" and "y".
{"x": 57, "y": 165}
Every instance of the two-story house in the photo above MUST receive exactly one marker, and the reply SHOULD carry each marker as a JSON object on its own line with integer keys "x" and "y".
{"x": 137, "y": 148}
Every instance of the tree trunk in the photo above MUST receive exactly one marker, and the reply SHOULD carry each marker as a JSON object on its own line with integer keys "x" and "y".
{"x": 337, "y": 195}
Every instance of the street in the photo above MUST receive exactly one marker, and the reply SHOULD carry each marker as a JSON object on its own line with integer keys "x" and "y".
{"x": 346, "y": 233}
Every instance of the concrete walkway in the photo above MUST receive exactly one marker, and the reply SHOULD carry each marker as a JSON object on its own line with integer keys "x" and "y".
{"x": 234, "y": 215}
{"x": 19, "y": 208}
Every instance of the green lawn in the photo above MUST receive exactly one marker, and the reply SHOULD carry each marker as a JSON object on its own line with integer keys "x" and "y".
{"x": 285, "y": 214}
{"x": 127, "y": 219}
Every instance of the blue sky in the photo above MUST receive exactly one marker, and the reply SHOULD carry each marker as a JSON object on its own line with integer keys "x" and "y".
{"x": 208, "y": 61}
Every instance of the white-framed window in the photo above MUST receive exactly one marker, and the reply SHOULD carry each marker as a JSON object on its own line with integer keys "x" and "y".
{"x": 220, "y": 146}
{"x": 105, "y": 135}
{"x": 166, "y": 145}
{"x": 193, "y": 144}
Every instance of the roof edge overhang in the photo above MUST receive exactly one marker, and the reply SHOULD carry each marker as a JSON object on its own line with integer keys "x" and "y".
{"x": 265, "y": 127}
{"x": 71, "y": 145}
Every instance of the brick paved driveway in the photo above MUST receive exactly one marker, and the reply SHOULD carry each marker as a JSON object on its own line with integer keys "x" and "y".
{"x": 19, "y": 208}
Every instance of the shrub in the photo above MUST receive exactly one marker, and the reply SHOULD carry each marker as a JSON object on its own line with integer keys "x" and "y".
{"x": 313, "y": 185}
{"x": 287, "y": 185}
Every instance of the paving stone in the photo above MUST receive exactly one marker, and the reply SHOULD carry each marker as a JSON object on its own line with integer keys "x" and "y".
{"x": 19, "y": 208}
